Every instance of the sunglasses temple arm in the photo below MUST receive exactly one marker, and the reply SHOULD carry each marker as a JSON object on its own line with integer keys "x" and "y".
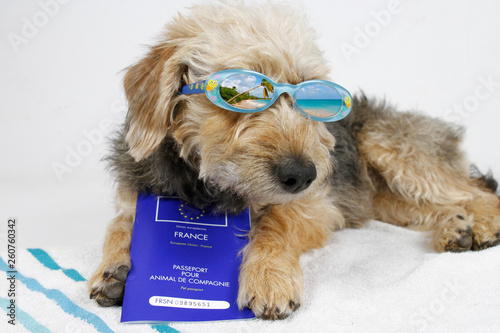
{"x": 194, "y": 88}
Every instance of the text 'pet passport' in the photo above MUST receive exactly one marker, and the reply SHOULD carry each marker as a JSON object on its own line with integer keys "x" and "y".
{"x": 185, "y": 263}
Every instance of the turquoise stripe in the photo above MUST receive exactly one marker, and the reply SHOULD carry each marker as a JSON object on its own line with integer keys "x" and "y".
{"x": 164, "y": 329}
{"x": 64, "y": 302}
{"x": 24, "y": 318}
{"x": 45, "y": 259}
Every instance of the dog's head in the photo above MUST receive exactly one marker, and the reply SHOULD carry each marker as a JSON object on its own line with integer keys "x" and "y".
{"x": 272, "y": 156}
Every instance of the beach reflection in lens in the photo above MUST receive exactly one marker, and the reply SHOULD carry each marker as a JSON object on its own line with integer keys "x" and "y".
{"x": 319, "y": 100}
{"x": 246, "y": 91}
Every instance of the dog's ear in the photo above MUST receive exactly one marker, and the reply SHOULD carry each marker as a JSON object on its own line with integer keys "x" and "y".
{"x": 151, "y": 86}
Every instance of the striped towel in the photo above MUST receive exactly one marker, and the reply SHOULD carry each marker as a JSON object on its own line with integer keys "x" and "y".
{"x": 51, "y": 296}
{"x": 380, "y": 278}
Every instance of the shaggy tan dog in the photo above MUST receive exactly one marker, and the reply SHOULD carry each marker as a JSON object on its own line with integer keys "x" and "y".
{"x": 401, "y": 168}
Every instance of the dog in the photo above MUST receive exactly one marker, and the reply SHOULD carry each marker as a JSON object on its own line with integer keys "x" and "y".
{"x": 302, "y": 179}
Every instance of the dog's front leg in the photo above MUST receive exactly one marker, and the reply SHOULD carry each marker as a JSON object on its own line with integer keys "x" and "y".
{"x": 108, "y": 281}
{"x": 270, "y": 275}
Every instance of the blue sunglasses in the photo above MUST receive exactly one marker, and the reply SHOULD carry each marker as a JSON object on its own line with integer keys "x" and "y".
{"x": 246, "y": 91}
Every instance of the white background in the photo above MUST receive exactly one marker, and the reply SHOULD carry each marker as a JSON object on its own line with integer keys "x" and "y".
{"x": 60, "y": 83}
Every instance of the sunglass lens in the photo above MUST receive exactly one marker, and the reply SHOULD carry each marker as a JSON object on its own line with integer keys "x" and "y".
{"x": 246, "y": 91}
{"x": 319, "y": 100}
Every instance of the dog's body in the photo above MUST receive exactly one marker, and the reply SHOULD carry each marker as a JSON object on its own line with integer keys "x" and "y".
{"x": 402, "y": 168}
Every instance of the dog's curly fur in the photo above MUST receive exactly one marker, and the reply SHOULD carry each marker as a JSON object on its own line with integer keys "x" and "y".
{"x": 399, "y": 167}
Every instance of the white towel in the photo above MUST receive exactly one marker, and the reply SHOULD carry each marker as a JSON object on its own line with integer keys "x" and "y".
{"x": 380, "y": 278}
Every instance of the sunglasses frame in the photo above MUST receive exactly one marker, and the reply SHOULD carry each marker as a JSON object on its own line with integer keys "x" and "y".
{"x": 211, "y": 88}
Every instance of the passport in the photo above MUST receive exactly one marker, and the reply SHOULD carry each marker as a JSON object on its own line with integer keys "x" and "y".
{"x": 185, "y": 263}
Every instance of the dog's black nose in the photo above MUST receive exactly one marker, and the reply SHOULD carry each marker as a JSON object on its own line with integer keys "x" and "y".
{"x": 295, "y": 175}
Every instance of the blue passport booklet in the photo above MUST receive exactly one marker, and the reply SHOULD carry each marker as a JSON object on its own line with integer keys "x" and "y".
{"x": 185, "y": 263}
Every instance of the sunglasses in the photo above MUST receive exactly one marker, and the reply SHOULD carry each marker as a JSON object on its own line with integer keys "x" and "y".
{"x": 246, "y": 91}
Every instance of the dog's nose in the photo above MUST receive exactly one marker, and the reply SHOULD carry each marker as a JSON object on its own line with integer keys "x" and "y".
{"x": 295, "y": 175}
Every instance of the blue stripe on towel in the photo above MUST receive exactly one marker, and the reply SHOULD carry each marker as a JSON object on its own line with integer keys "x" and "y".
{"x": 64, "y": 302}
{"x": 45, "y": 259}
{"x": 164, "y": 329}
{"x": 24, "y": 318}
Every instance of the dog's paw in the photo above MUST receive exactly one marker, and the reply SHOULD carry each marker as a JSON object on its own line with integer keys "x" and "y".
{"x": 271, "y": 293}
{"x": 459, "y": 241}
{"x": 486, "y": 233}
{"x": 485, "y": 210}
{"x": 108, "y": 283}
{"x": 455, "y": 235}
